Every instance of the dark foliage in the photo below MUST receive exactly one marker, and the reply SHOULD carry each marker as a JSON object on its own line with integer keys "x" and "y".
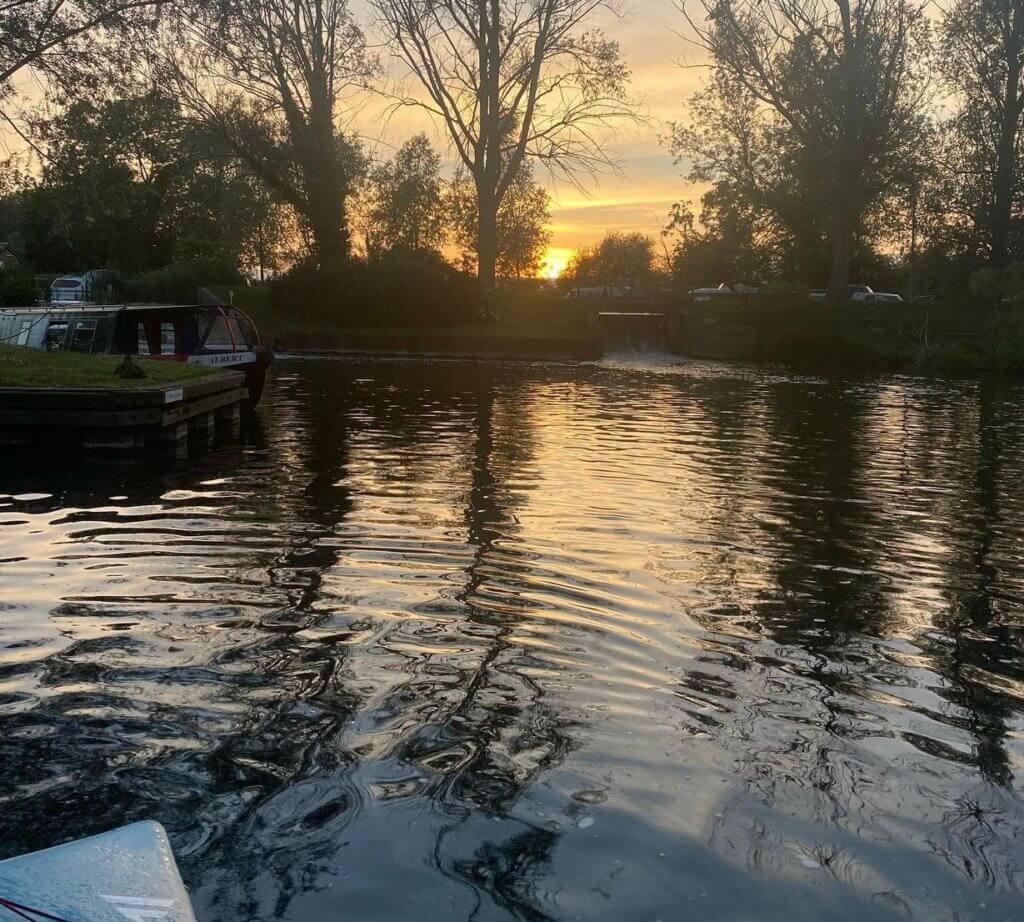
{"x": 129, "y": 183}
{"x": 271, "y": 81}
{"x": 180, "y": 282}
{"x": 18, "y": 289}
{"x": 399, "y": 289}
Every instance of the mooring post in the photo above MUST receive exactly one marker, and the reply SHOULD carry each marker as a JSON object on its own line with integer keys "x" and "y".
{"x": 229, "y": 421}
{"x": 203, "y": 426}
{"x": 174, "y": 439}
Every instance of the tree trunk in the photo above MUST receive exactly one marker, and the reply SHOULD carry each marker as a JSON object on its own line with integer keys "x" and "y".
{"x": 488, "y": 168}
{"x": 260, "y": 251}
{"x": 842, "y": 248}
{"x": 325, "y": 211}
{"x": 1004, "y": 182}
{"x": 912, "y": 280}
{"x": 487, "y": 241}
{"x": 329, "y": 238}
{"x": 325, "y": 184}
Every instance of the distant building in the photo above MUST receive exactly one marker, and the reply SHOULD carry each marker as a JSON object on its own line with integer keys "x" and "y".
{"x": 8, "y": 258}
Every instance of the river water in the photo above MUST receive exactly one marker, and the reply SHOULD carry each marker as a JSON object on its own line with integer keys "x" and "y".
{"x": 635, "y": 640}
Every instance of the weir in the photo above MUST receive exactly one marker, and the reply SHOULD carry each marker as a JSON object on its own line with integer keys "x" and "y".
{"x": 632, "y": 332}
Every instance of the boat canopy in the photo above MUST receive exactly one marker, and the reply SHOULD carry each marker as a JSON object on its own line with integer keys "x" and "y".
{"x": 157, "y": 330}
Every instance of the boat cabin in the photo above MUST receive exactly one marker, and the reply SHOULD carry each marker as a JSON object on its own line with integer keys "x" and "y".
{"x": 185, "y": 332}
{"x": 159, "y": 331}
{"x": 205, "y": 334}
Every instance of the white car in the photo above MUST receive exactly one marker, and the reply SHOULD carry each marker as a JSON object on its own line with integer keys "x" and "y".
{"x": 861, "y": 293}
{"x": 71, "y": 289}
{"x": 725, "y": 290}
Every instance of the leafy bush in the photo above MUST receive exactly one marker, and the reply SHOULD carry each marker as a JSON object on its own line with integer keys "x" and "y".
{"x": 18, "y": 288}
{"x": 539, "y": 307}
{"x": 179, "y": 282}
{"x": 399, "y": 289}
{"x": 793, "y": 290}
{"x": 1007, "y": 336}
{"x": 1013, "y": 281}
{"x": 986, "y": 286}
{"x": 106, "y": 287}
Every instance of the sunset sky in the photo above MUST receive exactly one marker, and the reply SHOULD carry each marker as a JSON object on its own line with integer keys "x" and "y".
{"x": 651, "y": 35}
{"x": 639, "y": 197}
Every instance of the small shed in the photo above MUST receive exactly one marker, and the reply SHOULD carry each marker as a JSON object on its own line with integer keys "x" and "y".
{"x": 8, "y": 258}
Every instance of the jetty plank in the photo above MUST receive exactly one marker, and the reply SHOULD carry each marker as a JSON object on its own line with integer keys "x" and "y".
{"x": 127, "y": 419}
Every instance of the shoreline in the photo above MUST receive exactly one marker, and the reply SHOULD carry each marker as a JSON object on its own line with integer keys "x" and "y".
{"x": 440, "y": 346}
{"x": 815, "y": 355}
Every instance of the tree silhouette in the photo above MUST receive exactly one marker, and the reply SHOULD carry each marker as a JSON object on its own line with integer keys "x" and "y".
{"x": 510, "y": 81}
{"x": 269, "y": 79}
{"x": 842, "y": 87}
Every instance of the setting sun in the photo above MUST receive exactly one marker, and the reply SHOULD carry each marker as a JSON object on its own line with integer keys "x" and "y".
{"x": 556, "y": 261}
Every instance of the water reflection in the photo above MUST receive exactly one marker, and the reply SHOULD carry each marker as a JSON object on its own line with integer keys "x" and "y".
{"x": 539, "y": 642}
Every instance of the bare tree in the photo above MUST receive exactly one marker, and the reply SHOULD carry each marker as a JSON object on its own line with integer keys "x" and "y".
{"x": 511, "y": 80}
{"x": 56, "y": 38}
{"x": 270, "y": 79}
{"x": 843, "y": 78}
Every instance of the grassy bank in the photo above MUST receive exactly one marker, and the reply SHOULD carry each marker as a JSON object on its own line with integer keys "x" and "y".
{"x": 946, "y": 337}
{"x": 524, "y": 327}
{"x": 22, "y": 367}
{"x": 953, "y": 338}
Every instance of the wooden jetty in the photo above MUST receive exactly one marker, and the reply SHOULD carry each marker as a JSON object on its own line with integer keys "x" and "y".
{"x": 166, "y": 417}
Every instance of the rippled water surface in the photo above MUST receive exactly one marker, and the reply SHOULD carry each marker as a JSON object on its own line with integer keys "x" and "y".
{"x": 629, "y": 641}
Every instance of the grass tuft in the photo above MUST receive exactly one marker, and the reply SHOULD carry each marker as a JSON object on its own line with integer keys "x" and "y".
{"x": 23, "y": 367}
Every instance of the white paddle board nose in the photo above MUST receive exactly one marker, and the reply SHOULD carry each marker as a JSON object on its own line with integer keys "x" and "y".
{"x": 128, "y": 874}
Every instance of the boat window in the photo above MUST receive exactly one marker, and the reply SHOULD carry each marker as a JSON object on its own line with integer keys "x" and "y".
{"x": 55, "y": 334}
{"x": 248, "y": 331}
{"x": 224, "y": 335}
{"x": 167, "y": 339}
{"x": 83, "y": 335}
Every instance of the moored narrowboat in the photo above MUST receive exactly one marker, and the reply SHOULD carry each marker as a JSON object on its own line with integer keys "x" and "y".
{"x": 220, "y": 335}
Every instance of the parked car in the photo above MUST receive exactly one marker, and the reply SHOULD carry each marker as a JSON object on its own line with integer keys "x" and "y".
{"x": 860, "y": 293}
{"x": 95, "y": 285}
{"x": 600, "y": 293}
{"x": 71, "y": 289}
{"x": 726, "y": 290}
